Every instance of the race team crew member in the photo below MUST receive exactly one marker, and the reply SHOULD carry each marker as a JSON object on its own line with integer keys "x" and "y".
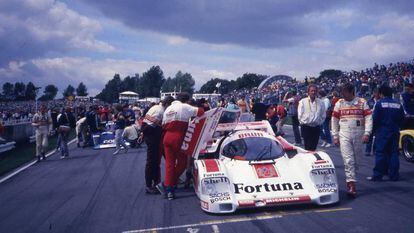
{"x": 351, "y": 127}
{"x": 388, "y": 117}
{"x": 151, "y": 128}
{"x": 175, "y": 122}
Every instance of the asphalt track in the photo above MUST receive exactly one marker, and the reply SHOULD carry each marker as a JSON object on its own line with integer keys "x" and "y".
{"x": 94, "y": 191}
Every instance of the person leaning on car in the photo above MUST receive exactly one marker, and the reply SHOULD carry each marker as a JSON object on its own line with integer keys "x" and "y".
{"x": 388, "y": 117}
{"x": 311, "y": 114}
{"x": 351, "y": 127}
{"x": 175, "y": 122}
{"x": 152, "y": 130}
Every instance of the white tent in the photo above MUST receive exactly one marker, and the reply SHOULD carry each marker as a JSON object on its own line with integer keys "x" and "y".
{"x": 128, "y": 96}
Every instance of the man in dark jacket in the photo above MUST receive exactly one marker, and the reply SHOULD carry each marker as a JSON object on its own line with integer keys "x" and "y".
{"x": 387, "y": 118}
{"x": 65, "y": 121}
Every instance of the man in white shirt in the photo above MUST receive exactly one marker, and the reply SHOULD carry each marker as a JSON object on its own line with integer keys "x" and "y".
{"x": 42, "y": 123}
{"x": 311, "y": 114}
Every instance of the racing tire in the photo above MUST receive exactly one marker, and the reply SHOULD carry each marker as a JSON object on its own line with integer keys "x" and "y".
{"x": 408, "y": 148}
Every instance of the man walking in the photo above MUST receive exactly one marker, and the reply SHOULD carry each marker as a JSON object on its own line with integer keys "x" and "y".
{"x": 311, "y": 114}
{"x": 351, "y": 127}
{"x": 388, "y": 116}
{"x": 152, "y": 135}
{"x": 42, "y": 123}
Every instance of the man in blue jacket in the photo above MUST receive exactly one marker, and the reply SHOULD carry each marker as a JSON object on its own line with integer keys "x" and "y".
{"x": 387, "y": 118}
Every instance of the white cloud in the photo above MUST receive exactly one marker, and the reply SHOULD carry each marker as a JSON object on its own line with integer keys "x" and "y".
{"x": 176, "y": 40}
{"x": 34, "y": 28}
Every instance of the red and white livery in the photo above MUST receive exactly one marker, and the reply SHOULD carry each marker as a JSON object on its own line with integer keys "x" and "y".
{"x": 243, "y": 165}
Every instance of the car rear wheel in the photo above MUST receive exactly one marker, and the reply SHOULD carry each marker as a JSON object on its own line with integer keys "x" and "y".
{"x": 408, "y": 148}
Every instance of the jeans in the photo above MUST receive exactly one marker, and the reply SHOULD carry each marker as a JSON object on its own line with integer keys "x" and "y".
{"x": 119, "y": 140}
{"x": 325, "y": 131}
{"x": 295, "y": 126}
{"x": 63, "y": 144}
{"x": 370, "y": 145}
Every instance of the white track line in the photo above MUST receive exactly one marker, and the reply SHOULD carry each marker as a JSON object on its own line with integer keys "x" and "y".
{"x": 27, "y": 165}
{"x": 234, "y": 220}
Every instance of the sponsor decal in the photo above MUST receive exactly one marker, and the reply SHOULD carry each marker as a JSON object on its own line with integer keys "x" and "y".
{"x": 240, "y": 188}
{"x": 320, "y": 161}
{"x": 247, "y": 203}
{"x": 189, "y": 135}
{"x": 325, "y": 185}
{"x": 108, "y": 141}
{"x": 211, "y": 165}
{"x": 265, "y": 171}
{"x": 323, "y": 171}
{"x": 251, "y": 134}
{"x": 213, "y": 175}
{"x": 287, "y": 199}
{"x": 204, "y": 205}
{"x": 215, "y": 180}
{"x": 322, "y": 166}
{"x": 219, "y": 197}
{"x": 327, "y": 190}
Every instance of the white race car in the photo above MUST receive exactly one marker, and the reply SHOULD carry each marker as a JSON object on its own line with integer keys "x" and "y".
{"x": 243, "y": 165}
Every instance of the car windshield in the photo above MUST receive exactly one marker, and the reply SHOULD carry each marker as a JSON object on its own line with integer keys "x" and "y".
{"x": 253, "y": 149}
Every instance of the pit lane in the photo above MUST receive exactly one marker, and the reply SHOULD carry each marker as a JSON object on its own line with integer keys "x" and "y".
{"x": 94, "y": 191}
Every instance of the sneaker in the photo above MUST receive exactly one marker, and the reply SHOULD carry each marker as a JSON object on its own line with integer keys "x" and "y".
{"x": 374, "y": 179}
{"x": 151, "y": 190}
{"x": 327, "y": 145}
{"x": 62, "y": 157}
{"x": 43, "y": 156}
{"x": 160, "y": 187}
{"x": 170, "y": 196}
{"x": 116, "y": 152}
{"x": 323, "y": 144}
{"x": 37, "y": 158}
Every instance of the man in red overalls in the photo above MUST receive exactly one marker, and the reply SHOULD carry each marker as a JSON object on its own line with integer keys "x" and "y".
{"x": 175, "y": 122}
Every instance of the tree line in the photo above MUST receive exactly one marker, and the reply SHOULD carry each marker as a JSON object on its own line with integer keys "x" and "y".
{"x": 20, "y": 91}
{"x": 152, "y": 82}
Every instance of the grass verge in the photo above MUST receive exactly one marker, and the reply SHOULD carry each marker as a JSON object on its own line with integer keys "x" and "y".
{"x": 24, "y": 152}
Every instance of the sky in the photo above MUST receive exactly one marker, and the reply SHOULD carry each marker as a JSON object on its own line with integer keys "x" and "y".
{"x": 64, "y": 42}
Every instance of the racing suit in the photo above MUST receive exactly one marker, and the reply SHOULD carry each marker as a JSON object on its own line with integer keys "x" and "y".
{"x": 350, "y": 121}
{"x": 388, "y": 117}
{"x": 175, "y": 122}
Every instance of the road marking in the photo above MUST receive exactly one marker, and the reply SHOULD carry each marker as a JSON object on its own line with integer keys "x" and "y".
{"x": 27, "y": 165}
{"x": 215, "y": 229}
{"x": 265, "y": 216}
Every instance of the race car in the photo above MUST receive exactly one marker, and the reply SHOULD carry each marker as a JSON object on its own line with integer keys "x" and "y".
{"x": 243, "y": 165}
{"x": 406, "y": 144}
{"x": 106, "y": 139}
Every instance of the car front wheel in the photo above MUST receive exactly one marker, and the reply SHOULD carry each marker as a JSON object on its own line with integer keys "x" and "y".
{"x": 408, "y": 148}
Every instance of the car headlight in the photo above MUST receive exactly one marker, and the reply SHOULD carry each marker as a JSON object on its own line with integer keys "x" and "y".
{"x": 209, "y": 189}
{"x": 329, "y": 178}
